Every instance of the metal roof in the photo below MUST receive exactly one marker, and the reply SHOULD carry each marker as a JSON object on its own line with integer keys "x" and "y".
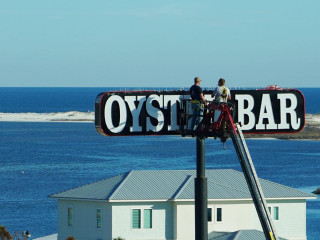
{"x": 175, "y": 185}
{"x": 239, "y": 235}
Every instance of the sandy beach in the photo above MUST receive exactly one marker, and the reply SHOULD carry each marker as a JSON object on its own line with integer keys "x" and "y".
{"x": 311, "y": 131}
{"x": 71, "y": 116}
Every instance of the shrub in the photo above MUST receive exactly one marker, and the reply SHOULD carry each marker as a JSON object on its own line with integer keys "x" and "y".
{"x": 4, "y": 234}
{"x": 70, "y": 238}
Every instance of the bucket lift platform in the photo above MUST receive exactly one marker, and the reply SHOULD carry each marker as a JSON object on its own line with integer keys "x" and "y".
{"x": 217, "y": 122}
{"x": 213, "y": 122}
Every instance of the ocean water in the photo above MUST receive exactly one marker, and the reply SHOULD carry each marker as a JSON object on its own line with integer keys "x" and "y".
{"x": 44, "y": 100}
{"x": 39, "y": 159}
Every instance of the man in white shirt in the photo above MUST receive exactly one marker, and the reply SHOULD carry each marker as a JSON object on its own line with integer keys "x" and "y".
{"x": 221, "y": 93}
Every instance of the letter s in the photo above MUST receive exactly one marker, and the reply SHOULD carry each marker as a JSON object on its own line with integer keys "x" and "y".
{"x": 155, "y": 112}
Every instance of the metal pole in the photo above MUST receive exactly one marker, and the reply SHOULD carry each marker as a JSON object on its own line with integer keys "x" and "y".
{"x": 201, "y": 196}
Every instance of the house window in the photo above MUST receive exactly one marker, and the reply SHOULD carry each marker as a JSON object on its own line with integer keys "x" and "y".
{"x": 147, "y": 218}
{"x": 275, "y": 213}
{"x": 139, "y": 220}
{"x": 269, "y": 208}
{"x": 219, "y": 215}
{"x": 70, "y": 216}
{"x": 136, "y": 218}
{"x": 209, "y": 214}
{"x": 99, "y": 218}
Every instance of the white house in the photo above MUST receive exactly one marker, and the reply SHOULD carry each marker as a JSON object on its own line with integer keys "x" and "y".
{"x": 159, "y": 205}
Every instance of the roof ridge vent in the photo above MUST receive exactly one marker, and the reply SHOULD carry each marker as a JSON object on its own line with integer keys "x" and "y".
{"x": 128, "y": 174}
{"x": 182, "y": 187}
{"x": 237, "y": 235}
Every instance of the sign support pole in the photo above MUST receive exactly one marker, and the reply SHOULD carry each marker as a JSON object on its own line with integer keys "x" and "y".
{"x": 201, "y": 196}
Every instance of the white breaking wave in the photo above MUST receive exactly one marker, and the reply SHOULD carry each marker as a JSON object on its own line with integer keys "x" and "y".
{"x": 72, "y": 116}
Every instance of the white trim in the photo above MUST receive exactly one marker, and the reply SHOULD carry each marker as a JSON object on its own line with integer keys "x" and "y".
{"x": 180, "y": 200}
{"x": 84, "y": 199}
{"x": 244, "y": 199}
{"x": 192, "y": 200}
{"x": 137, "y": 201}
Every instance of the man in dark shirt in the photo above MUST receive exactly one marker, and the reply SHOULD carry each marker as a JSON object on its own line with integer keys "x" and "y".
{"x": 197, "y": 103}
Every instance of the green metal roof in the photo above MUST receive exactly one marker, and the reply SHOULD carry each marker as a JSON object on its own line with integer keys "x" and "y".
{"x": 175, "y": 185}
{"x": 239, "y": 235}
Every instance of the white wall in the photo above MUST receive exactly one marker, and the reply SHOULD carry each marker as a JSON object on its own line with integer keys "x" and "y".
{"x": 185, "y": 221}
{"x": 174, "y": 220}
{"x": 237, "y": 215}
{"x": 162, "y": 221}
{"x": 292, "y": 219}
{"x": 84, "y": 220}
{"x": 233, "y": 215}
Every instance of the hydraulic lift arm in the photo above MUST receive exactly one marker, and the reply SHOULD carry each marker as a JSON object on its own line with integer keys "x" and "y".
{"x": 253, "y": 183}
{"x": 224, "y": 127}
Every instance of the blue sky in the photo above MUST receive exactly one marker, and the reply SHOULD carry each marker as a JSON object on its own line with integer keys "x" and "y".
{"x": 125, "y": 43}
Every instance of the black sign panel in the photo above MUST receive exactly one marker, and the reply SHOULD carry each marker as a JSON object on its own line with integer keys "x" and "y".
{"x": 157, "y": 112}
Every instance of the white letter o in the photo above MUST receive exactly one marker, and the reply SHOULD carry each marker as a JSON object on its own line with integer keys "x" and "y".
{"x": 122, "y": 112}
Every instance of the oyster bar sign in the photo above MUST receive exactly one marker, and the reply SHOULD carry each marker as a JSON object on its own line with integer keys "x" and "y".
{"x": 157, "y": 112}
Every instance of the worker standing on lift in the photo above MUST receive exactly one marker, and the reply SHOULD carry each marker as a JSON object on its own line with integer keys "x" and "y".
{"x": 197, "y": 103}
{"x": 221, "y": 93}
